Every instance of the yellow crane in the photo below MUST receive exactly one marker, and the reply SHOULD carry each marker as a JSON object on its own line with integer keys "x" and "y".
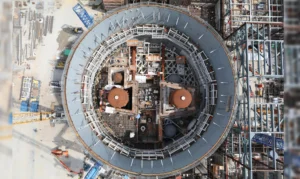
{"x": 28, "y": 117}
{"x": 23, "y": 118}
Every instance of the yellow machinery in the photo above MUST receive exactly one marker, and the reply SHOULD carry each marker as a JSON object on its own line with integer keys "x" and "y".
{"x": 28, "y": 117}
{"x": 23, "y": 118}
{"x": 60, "y": 65}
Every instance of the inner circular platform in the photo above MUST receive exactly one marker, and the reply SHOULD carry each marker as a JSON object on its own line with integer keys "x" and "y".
{"x": 150, "y": 90}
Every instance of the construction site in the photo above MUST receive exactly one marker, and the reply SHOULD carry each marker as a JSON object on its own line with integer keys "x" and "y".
{"x": 154, "y": 89}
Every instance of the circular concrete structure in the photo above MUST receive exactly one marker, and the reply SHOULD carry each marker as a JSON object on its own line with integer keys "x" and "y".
{"x": 191, "y": 37}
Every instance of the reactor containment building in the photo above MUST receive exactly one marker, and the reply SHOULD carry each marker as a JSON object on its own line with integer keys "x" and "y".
{"x": 150, "y": 90}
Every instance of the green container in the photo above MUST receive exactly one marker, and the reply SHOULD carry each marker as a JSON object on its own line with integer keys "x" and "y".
{"x": 67, "y": 52}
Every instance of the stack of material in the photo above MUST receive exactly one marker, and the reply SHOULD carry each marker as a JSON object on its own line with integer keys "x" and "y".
{"x": 35, "y": 90}
{"x": 24, "y": 106}
{"x": 134, "y": 42}
{"x": 34, "y": 106}
{"x": 111, "y": 4}
{"x": 180, "y": 59}
{"x": 195, "y": 10}
{"x": 153, "y": 57}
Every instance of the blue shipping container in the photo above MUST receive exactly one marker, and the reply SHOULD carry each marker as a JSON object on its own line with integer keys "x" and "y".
{"x": 24, "y": 106}
{"x": 92, "y": 174}
{"x": 85, "y": 18}
{"x": 34, "y": 106}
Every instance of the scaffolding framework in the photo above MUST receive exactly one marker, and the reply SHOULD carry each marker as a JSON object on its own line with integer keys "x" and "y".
{"x": 237, "y": 12}
{"x": 256, "y": 140}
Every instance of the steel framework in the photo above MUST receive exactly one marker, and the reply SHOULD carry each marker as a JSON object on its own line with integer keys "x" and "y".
{"x": 237, "y": 12}
{"x": 257, "y": 137}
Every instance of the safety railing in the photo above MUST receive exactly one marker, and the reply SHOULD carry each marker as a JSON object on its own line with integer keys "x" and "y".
{"x": 99, "y": 58}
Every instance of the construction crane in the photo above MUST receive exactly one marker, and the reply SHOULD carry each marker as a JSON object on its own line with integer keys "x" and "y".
{"x": 58, "y": 153}
{"x": 28, "y": 117}
{"x": 23, "y": 118}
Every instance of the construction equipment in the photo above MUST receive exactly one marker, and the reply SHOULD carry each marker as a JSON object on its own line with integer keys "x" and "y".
{"x": 60, "y": 64}
{"x": 76, "y": 30}
{"x": 58, "y": 153}
{"x": 28, "y": 117}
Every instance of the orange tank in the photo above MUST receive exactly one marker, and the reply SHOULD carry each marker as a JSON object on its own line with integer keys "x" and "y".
{"x": 181, "y": 98}
{"x": 118, "y": 77}
{"x": 118, "y": 97}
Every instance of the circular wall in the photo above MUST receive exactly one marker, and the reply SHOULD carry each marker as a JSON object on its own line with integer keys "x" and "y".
{"x": 215, "y": 124}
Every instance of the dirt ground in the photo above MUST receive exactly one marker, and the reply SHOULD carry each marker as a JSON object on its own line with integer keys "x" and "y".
{"x": 32, "y": 143}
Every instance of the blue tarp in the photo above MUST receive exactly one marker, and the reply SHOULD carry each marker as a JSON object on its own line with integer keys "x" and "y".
{"x": 92, "y": 174}
{"x": 34, "y": 106}
{"x": 268, "y": 140}
{"x": 24, "y": 106}
{"x": 85, "y": 18}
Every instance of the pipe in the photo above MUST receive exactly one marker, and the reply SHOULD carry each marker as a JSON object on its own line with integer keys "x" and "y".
{"x": 163, "y": 52}
{"x": 133, "y": 61}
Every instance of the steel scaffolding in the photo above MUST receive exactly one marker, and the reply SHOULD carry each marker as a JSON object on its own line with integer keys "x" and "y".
{"x": 237, "y": 12}
{"x": 256, "y": 140}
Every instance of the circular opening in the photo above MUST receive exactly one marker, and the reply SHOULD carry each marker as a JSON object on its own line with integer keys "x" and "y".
{"x": 143, "y": 128}
{"x": 182, "y": 98}
{"x": 116, "y": 97}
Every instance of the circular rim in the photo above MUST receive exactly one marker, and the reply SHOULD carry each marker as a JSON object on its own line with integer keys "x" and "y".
{"x": 212, "y": 149}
